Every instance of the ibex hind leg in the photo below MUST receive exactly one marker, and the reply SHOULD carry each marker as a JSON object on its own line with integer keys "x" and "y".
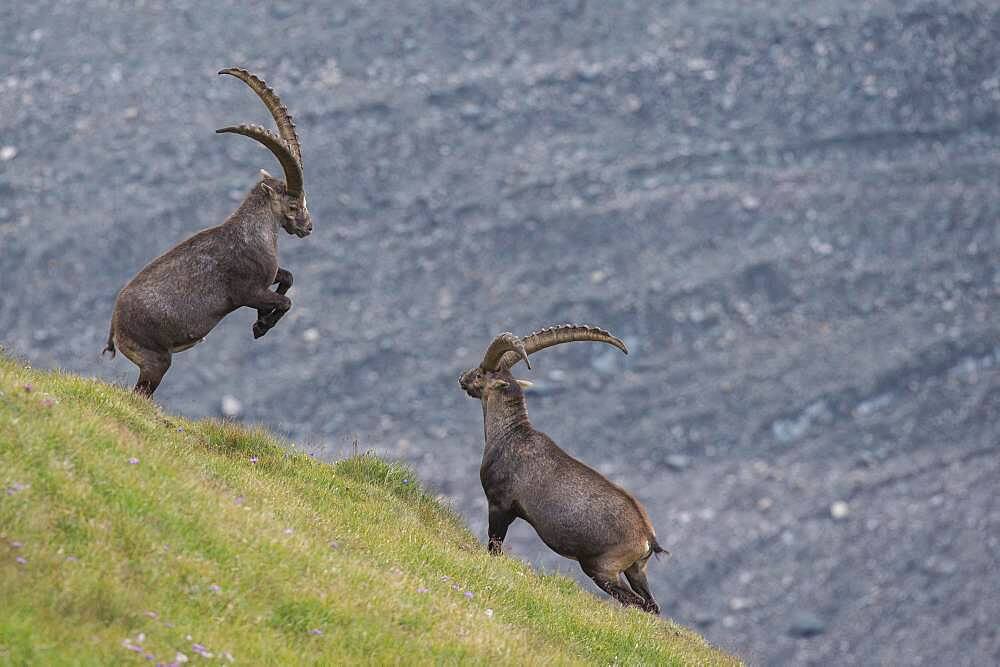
{"x": 153, "y": 365}
{"x": 636, "y": 575}
{"x": 609, "y": 581}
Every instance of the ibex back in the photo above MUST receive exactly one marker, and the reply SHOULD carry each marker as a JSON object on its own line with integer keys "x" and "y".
{"x": 172, "y": 303}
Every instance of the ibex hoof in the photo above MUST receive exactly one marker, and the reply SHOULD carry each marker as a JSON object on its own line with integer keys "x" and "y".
{"x": 259, "y": 329}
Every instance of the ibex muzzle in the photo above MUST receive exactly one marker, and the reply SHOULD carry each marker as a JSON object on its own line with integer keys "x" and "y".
{"x": 577, "y": 512}
{"x": 172, "y": 303}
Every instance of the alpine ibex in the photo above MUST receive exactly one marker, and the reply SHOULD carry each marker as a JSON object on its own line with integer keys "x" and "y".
{"x": 577, "y": 512}
{"x": 180, "y": 296}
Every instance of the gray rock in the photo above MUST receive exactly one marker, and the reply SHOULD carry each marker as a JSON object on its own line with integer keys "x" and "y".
{"x": 941, "y": 566}
{"x": 806, "y": 624}
{"x": 704, "y": 618}
{"x": 677, "y": 462}
{"x": 231, "y": 406}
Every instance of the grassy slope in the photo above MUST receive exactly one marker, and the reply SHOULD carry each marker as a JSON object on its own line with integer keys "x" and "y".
{"x": 283, "y": 560}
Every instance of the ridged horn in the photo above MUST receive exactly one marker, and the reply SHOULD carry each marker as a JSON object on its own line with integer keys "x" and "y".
{"x": 563, "y": 333}
{"x": 504, "y": 344}
{"x": 283, "y": 119}
{"x": 293, "y": 172}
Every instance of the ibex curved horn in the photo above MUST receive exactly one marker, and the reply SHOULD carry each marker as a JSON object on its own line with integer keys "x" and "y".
{"x": 293, "y": 172}
{"x": 564, "y": 333}
{"x": 504, "y": 344}
{"x": 283, "y": 119}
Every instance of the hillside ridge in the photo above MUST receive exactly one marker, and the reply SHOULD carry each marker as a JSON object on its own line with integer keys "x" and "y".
{"x": 130, "y": 535}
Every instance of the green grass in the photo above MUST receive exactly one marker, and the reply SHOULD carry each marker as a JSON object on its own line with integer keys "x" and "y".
{"x": 223, "y": 536}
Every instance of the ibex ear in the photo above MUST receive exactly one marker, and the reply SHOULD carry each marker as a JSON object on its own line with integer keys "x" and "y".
{"x": 524, "y": 383}
{"x": 497, "y": 384}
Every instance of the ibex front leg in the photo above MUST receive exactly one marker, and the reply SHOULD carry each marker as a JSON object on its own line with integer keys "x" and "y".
{"x": 268, "y": 317}
{"x": 274, "y": 305}
{"x": 500, "y": 521}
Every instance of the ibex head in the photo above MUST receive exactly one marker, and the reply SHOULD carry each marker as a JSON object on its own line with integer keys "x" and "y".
{"x": 493, "y": 374}
{"x": 287, "y": 200}
{"x": 290, "y": 211}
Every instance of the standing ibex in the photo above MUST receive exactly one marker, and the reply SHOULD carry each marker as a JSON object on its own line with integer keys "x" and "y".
{"x": 576, "y": 511}
{"x": 181, "y": 295}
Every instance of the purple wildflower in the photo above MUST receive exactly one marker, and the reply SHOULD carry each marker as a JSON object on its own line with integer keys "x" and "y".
{"x": 16, "y": 487}
{"x": 334, "y": 544}
{"x": 201, "y": 650}
{"x": 215, "y": 588}
{"x": 315, "y": 631}
{"x": 423, "y": 590}
{"x": 21, "y": 560}
{"x": 16, "y": 545}
{"x": 128, "y": 645}
{"x": 254, "y": 459}
{"x": 48, "y": 402}
{"x": 240, "y": 500}
{"x": 71, "y": 559}
{"x": 468, "y": 594}
{"x": 406, "y": 481}
{"x": 133, "y": 461}
{"x": 228, "y": 656}
{"x": 152, "y": 614}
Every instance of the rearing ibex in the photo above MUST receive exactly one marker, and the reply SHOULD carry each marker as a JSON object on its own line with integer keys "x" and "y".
{"x": 576, "y": 511}
{"x": 180, "y": 296}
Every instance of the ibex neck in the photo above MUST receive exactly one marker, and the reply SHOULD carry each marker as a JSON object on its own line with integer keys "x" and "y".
{"x": 254, "y": 221}
{"x": 504, "y": 415}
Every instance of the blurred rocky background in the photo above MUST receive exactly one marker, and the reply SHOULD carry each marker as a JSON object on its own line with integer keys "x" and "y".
{"x": 790, "y": 214}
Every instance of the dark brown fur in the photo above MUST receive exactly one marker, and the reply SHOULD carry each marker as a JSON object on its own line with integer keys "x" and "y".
{"x": 179, "y": 297}
{"x": 575, "y": 510}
